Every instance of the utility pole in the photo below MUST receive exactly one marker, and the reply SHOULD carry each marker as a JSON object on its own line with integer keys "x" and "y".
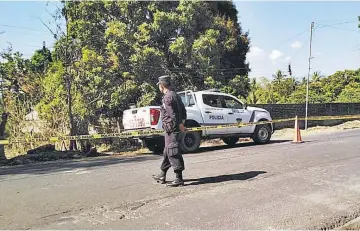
{"x": 308, "y": 77}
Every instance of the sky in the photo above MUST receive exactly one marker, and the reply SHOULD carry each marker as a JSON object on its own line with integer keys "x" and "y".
{"x": 279, "y": 32}
{"x": 20, "y": 25}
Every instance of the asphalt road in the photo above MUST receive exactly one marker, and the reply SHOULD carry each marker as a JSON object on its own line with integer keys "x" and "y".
{"x": 276, "y": 186}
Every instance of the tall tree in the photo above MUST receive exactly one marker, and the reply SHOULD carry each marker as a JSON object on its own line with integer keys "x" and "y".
{"x": 253, "y": 95}
{"x": 126, "y": 45}
{"x": 316, "y": 76}
{"x": 63, "y": 73}
{"x": 41, "y": 59}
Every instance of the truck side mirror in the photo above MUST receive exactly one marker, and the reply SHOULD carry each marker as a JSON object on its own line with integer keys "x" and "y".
{"x": 245, "y": 106}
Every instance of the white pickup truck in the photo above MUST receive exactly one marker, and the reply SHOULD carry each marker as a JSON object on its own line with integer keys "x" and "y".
{"x": 204, "y": 108}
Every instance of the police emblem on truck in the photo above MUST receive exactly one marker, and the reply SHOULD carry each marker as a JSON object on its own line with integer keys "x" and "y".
{"x": 219, "y": 117}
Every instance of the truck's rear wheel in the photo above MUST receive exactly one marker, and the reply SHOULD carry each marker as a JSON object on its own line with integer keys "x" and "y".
{"x": 231, "y": 141}
{"x": 190, "y": 142}
{"x": 262, "y": 134}
{"x": 155, "y": 145}
{"x": 158, "y": 149}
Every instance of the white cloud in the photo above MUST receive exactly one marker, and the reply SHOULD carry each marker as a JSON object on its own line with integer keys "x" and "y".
{"x": 256, "y": 53}
{"x": 318, "y": 53}
{"x": 287, "y": 59}
{"x": 275, "y": 55}
{"x": 296, "y": 45}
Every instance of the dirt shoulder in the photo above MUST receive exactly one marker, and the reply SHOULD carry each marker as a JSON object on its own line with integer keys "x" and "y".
{"x": 351, "y": 225}
{"x": 289, "y": 132}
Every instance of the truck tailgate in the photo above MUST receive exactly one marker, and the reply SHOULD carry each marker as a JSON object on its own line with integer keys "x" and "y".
{"x": 137, "y": 118}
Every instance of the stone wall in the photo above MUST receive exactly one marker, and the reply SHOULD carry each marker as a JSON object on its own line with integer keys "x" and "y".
{"x": 281, "y": 111}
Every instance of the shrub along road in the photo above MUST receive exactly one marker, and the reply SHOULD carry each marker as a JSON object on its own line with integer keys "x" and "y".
{"x": 280, "y": 185}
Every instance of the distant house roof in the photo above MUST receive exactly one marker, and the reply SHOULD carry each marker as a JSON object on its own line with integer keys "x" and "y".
{"x": 33, "y": 123}
{"x": 32, "y": 116}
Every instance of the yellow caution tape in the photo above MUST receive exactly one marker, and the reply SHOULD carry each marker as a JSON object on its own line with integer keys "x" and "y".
{"x": 4, "y": 142}
{"x": 142, "y": 133}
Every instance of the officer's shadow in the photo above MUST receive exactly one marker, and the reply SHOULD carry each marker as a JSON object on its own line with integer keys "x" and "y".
{"x": 224, "y": 178}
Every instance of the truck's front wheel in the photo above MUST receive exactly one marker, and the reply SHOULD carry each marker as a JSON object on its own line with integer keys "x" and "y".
{"x": 262, "y": 134}
{"x": 190, "y": 141}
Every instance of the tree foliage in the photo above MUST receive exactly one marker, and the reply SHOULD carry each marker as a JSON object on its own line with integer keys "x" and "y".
{"x": 127, "y": 45}
{"x": 342, "y": 86}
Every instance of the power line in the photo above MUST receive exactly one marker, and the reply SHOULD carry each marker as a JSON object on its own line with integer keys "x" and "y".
{"x": 300, "y": 50}
{"x": 23, "y": 28}
{"x": 292, "y": 37}
{"x": 192, "y": 70}
{"x": 336, "y": 24}
{"x": 338, "y": 20}
{"x": 323, "y": 26}
{"x": 230, "y": 69}
{"x": 195, "y": 68}
{"x": 346, "y": 29}
{"x": 24, "y": 33}
{"x": 305, "y": 41}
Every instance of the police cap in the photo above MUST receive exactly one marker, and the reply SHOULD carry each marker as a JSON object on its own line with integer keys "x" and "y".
{"x": 165, "y": 80}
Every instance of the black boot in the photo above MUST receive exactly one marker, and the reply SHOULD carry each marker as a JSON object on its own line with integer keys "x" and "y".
{"x": 160, "y": 178}
{"x": 178, "y": 180}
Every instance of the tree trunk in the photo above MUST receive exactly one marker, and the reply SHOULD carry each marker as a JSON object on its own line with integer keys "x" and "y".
{"x": 118, "y": 125}
{"x": 82, "y": 128}
{"x": 4, "y": 118}
{"x": 70, "y": 114}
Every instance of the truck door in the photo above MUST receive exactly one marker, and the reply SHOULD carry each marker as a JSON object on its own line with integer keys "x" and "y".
{"x": 236, "y": 113}
{"x": 213, "y": 113}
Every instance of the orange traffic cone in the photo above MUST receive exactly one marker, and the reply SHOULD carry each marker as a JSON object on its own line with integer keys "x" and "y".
{"x": 297, "y": 135}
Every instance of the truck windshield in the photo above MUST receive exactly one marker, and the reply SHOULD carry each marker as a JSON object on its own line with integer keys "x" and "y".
{"x": 190, "y": 99}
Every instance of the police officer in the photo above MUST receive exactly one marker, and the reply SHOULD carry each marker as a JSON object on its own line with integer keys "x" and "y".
{"x": 173, "y": 118}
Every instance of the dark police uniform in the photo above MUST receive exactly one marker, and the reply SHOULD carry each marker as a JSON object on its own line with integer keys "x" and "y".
{"x": 173, "y": 114}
